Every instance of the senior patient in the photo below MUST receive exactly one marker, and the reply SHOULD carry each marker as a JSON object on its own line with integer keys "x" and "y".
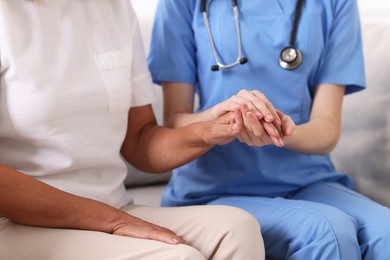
{"x": 75, "y": 96}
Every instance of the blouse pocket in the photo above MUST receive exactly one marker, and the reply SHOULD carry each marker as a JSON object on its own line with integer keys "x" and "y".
{"x": 115, "y": 70}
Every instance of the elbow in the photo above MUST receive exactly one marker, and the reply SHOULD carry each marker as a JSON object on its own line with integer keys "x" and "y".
{"x": 154, "y": 169}
{"x": 331, "y": 136}
{"x": 170, "y": 121}
{"x": 331, "y": 143}
{"x": 146, "y": 166}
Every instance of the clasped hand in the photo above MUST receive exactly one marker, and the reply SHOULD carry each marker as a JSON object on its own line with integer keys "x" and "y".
{"x": 263, "y": 124}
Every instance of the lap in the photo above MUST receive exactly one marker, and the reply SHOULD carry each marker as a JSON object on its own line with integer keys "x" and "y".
{"x": 328, "y": 212}
{"x": 372, "y": 219}
{"x": 212, "y": 231}
{"x": 295, "y": 229}
{"x": 233, "y": 231}
{"x": 361, "y": 208}
{"x": 322, "y": 200}
{"x": 25, "y": 242}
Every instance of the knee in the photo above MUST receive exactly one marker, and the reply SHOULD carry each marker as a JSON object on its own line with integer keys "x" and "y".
{"x": 237, "y": 220}
{"x": 331, "y": 234}
{"x": 239, "y": 235}
{"x": 376, "y": 240}
{"x": 185, "y": 252}
{"x": 337, "y": 227}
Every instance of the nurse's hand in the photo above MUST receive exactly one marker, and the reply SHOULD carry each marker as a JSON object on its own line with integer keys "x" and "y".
{"x": 262, "y": 125}
{"x": 138, "y": 228}
{"x": 256, "y": 131}
{"x": 256, "y": 101}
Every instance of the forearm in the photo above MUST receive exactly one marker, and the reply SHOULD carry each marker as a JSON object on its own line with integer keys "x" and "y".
{"x": 160, "y": 149}
{"x": 321, "y": 134}
{"x": 176, "y": 120}
{"x": 318, "y": 136}
{"x": 153, "y": 148}
{"x": 27, "y": 201}
{"x": 179, "y": 103}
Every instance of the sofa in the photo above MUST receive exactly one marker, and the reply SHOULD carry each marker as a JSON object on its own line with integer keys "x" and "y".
{"x": 364, "y": 148}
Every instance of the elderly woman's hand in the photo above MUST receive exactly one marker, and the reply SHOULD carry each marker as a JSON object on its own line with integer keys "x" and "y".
{"x": 223, "y": 129}
{"x": 138, "y": 228}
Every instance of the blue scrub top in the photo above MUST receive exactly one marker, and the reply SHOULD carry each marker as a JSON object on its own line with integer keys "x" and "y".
{"x": 329, "y": 38}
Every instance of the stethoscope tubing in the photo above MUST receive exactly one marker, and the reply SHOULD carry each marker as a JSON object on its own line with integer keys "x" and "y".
{"x": 284, "y": 63}
{"x": 240, "y": 59}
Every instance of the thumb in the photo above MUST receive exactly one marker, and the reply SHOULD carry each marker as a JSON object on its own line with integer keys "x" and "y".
{"x": 236, "y": 121}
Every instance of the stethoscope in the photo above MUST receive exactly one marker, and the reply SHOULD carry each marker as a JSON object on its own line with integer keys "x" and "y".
{"x": 290, "y": 57}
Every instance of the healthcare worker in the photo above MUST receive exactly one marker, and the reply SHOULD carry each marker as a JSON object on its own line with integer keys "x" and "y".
{"x": 75, "y": 95}
{"x": 297, "y": 56}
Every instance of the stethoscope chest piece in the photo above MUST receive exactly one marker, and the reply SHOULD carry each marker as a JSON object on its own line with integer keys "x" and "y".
{"x": 290, "y": 58}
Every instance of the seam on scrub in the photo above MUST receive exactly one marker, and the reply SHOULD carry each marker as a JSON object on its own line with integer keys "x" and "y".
{"x": 338, "y": 244}
{"x": 305, "y": 70}
{"x": 315, "y": 213}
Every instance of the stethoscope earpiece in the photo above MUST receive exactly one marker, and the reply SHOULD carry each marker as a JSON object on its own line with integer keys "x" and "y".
{"x": 215, "y": 68}
{"x": 243, "y": 60}
{"x": 290, "y": 58}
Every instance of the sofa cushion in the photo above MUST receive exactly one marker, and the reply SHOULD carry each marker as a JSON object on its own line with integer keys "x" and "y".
{"x": 364, "y": 148}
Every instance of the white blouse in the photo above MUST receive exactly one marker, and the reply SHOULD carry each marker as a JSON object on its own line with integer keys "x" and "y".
{"x": 69, "y": 72}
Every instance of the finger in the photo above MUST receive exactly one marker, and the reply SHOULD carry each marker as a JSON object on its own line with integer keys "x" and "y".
{"x": 271, "y": 114}
{"x": 247, "y": 129}
{"x": 243, "y": 137}
{"x": 237, "y": 121}
{"x": 280, "y": 114}
{"x": 224, "y": 107}
{"x": 257, "y": 103}
{"x": 271, "y": 129}
{"x": 139, "y": 228}
{"x": 166, "y": 236}
{"x": 258, "y": 132}
{"x": 288, "y": 126}
{"x": 276, "y": 139}
{"x": 224, "y": 129}
{"x": 244, "y": 111}
{"x": 278, "y": 129}
{"x": 267, "y": 110}
{"x": 259, "y": 115}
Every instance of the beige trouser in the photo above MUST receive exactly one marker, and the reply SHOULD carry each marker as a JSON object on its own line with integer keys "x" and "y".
{"x": 214, "y": 232}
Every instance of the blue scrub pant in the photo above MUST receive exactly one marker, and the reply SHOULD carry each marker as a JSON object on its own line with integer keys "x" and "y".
{"x": 321, "y": 221}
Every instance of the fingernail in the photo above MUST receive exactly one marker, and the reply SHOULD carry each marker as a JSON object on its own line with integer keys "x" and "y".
{"x": 259, "y": 115}
{"x": 175, "y": 241}
{"x": 278, "y": 122}
{"x": 269, "y": 118}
